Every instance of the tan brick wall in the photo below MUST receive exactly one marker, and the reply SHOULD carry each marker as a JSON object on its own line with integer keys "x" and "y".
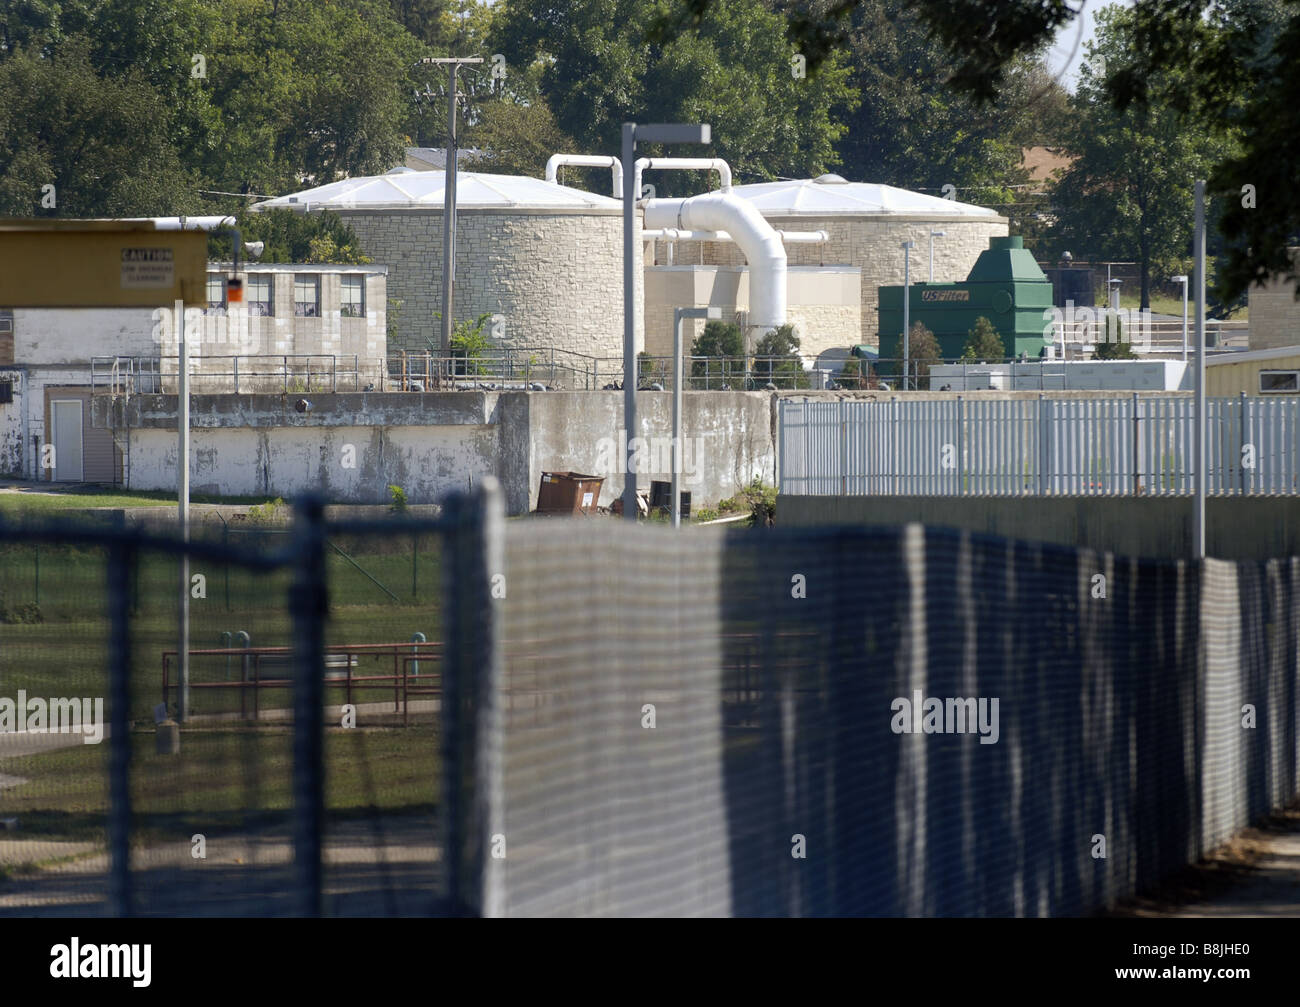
{"x": 1275, "y": 314}
{"x": 556, "y": 278}
{"x": 871, "y": 245}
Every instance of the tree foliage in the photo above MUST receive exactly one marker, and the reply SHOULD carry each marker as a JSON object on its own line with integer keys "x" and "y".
{"x": 983, "y": 343}
{"x": 1236, "y": 59}
{"x": 597, "y": 70}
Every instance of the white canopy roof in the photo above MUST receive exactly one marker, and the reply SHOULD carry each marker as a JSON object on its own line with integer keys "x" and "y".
{"x": 413, "y": 189}
{"x": 831, "y": 195}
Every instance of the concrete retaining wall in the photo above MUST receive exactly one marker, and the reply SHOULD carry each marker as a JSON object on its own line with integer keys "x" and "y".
{"x": 1236, "y": 528}
{"x": 432, "y": 444}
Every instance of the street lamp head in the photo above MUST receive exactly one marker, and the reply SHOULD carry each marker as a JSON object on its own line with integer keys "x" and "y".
{"x": 1178, "y": 279}
{"x": 938, "y": 234}
{"x": 674, "y": 132}
{"x": 908, "y": 244}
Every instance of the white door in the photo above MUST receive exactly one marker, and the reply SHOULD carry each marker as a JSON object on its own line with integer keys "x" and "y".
{"x": 66, "y": 417}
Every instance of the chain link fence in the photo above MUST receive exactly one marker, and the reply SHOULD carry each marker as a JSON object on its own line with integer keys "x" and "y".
{"x": 603, "y": 720}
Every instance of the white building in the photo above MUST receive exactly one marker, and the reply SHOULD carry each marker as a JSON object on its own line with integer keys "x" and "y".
{"x": 301, "y": 327}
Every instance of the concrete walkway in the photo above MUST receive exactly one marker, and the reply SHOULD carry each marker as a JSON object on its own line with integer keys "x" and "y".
{"x": 1256, "y": 874}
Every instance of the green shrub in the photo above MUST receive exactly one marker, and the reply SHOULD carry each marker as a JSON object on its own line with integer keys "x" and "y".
{"x": 398, "y": 495}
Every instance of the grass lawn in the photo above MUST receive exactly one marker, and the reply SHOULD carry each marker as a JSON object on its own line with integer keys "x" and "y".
{"x": 222, "y": 780}
{"x": 43, "y": 500}
{"x": 67, "y": 652}
{"x": 1161, "y": 305}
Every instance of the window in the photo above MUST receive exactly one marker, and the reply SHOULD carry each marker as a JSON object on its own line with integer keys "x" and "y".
{"x": 259, "y": 294}
{"x": 1279, "y": 381}
{"x": 6, "y": 390}
{"x": 216, "y": 291}
{"x": 306, "y": 295}
{"x": 353, "y": 298}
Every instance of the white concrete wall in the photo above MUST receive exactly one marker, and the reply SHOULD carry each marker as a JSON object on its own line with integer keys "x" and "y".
{"x": 74, "y": 335}
{"x": 22, "y": 422}
{"x": 428, "y": 463}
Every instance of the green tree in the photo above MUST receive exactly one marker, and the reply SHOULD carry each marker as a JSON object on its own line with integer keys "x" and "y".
{"x": 289, "y": 236}
{"x": 1128, "y": 194}
{"x": 912, "y": 130}
{"x": 596, "y": 70}
{"x": 518, "y": 139}
{"x": 102, "y": 143}
{"x": 721, "y": 340}
{"x": 776, "y": 359}
{"x": 1236, "y": 59}
{"x": 1114, "y": 351}
{"x": 983, "y": 343}
{"x": 923, "y": 352}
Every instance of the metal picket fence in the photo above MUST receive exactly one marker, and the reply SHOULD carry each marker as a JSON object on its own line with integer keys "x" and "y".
{"x": 1123, "y": 445}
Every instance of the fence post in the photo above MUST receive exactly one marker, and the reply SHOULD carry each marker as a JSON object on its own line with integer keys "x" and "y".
{"x": 1137, "y": 442}
{"x": 961, "y": 490}
{"x": 844, "y": 452}
{"x": 1241, "y": 448}
{"x": 1044, "y": 443}
{"x": 471, "y": 684}
{"x": 120, "y": 901}
{"x": 307, "y": 607}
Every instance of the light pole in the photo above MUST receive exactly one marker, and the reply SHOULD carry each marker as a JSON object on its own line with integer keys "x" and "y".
{"x": 678, "y": 315}
{"x": 664, "y": 132}
{"x": 449, "y": 201}
{"x": 933, "y": 235}
{"x": 1183, "y": 281}
{"x": 907, "y": 247}
{"x": 1198, "y": 252}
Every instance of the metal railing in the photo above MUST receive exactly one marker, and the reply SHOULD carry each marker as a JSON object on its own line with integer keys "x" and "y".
{"x": 1126, "y": 445}
{"x": 266, "y": 374}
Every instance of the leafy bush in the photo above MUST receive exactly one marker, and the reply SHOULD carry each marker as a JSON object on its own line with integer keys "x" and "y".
{"x": 983, "y": 343}
{"x": 706, "y": 514}
{"x": 776, "y": 360}
{"x": 723, "y": 342}
{"x": 398, "y": 496}
{"x": 23, "y": 614}
{"x": 271, "y": 512}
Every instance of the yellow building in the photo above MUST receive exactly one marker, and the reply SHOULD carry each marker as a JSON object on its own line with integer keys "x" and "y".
{"x": 1256, "y": 372}
{"x": 1275, "y": 312}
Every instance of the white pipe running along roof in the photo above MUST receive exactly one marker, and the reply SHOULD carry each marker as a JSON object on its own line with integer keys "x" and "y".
{"x": 699, "y": 163}
{"x": 424, "y": 189}
{"x": 587, "y": 161}
{"x": 206, "y": 223}
{"x": 719, "y": 211}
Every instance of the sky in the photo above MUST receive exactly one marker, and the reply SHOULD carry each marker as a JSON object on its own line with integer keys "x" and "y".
{"x": 1059, "y": 58}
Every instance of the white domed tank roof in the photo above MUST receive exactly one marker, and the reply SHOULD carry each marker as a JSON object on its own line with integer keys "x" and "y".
{"x": 406, "y": 190}
{"x": 833, "y": 196}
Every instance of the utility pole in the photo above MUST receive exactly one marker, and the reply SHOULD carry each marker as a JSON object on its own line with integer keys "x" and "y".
{"x": 449, "y": 201}
{"x": 1198, "y": 452}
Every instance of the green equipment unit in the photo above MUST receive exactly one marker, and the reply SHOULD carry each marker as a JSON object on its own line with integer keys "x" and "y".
{"x": 1005, "y": 285}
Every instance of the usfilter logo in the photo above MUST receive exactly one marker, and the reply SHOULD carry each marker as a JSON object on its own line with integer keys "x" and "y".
{"x": 102, "y": 961}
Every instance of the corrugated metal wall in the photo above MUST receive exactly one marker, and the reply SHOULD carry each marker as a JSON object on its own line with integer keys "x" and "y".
{"x": 1024, "y": 447}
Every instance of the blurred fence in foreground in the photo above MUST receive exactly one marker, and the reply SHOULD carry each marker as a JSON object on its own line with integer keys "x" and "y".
{"x": 625, "y": 721}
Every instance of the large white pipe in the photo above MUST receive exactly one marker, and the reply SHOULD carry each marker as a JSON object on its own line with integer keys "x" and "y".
{"x": 587, "y": 161}
{"x": 723, "y": 211}
{"x": 208, "y": 223}
{"x": 698, "y": 163}
{"x": 787, "y": 237}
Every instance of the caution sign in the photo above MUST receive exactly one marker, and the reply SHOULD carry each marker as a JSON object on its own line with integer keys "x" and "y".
{"x": 148, "y": 268}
